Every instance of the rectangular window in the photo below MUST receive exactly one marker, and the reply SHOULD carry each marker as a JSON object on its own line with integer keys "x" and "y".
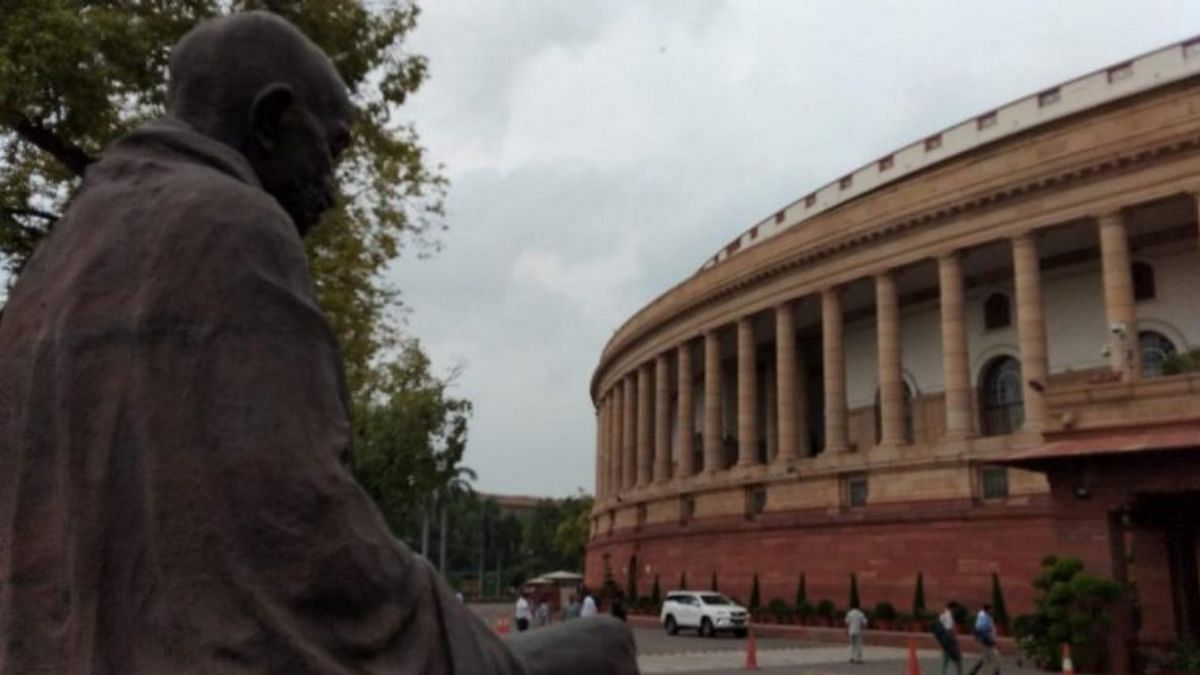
{"x": 845, "y": 182}
{"x": 985, "y": 121}
{"x": 1191, "y": 49}
{"x": 933, "y": 143}
{"x": 687, "y": 509}
{"x": 756, "y": 501}
{"x": 1121, "y": 72}
{"x": 993, "y": 482}
{"x": 779, "y": 217}
{"x": 886, "y": 163}
{"x": 856, "y": 491}
{"x": 1049, "y": 97}
{"x": 810, "y": 201}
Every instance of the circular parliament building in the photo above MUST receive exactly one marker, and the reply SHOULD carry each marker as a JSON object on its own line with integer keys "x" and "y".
{"x": 960, "y": 358}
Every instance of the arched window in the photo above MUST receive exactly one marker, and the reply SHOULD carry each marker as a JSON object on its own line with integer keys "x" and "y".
{"x": 908, "y": 416}
{"x": 1143, "y": 281}
{"x": 1155, "y": 348}
{"x": 997, "y": 311}
{"x": 1001, "y": 397}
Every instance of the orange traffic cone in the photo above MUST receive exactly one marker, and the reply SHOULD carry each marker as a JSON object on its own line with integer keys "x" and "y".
{"x": 914, "y": 666}
{"x": 1068, "y": 667}
{"x": 502, "y": 626}
{"x": 751, "y": 652}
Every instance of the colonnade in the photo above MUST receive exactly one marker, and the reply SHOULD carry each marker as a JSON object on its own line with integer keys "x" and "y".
{"x": 635, "y": 447}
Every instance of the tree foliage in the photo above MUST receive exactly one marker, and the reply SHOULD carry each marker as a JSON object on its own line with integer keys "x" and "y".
{"x": 1070, "y": 607}
{"x": 76, "y": 74}
{"x": 855, "y": 602}
{"x": 918, "y": 607}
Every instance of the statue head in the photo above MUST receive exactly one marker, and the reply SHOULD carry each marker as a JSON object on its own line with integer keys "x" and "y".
{"x": 254, "y": 82}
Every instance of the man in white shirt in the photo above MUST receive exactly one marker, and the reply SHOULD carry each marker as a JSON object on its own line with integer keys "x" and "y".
{"x": 523, "y": 614}
{"x": 589, "y": 605}
{"x": 985, "y": 635}
{"x": 856, "y": 621}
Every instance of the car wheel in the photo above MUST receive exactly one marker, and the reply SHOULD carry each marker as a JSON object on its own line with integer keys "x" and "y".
{"x": 670, "y": 625}
{"x": 741, "y": 632}
{"x": 706, "y": 628}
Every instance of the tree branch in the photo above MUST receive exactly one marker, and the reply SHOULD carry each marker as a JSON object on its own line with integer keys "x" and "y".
{"x": 68, "y": 154}
{"x": 32, "y": 213}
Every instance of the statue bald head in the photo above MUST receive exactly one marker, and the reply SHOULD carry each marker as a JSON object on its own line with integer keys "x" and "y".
{"x": 256, "y": 83}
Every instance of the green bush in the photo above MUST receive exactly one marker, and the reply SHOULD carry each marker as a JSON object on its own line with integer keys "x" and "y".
{"x": 655, "y": 592}
{"x": 1070, "y": 607}
{"x": 854, "y": 599}
{"x": 999, "y": 611}
{"x": 683, "y": 581}
{"x": 1183, "y": 362}
{"x": 801, "y": 592}
{"x": 779, "y": 608}
{"x": 962, "y": 617}
{"x": 755, "y": 601}
{"x": 713, "y": 585}
{"x": 806, "y": 610}
{"x": 1185, "y": 658}
{"x": 918, "y": 607}
{"x": 884, "y": 611}
{"x": 631, "y": 589}
{"x": 826, "y": 609}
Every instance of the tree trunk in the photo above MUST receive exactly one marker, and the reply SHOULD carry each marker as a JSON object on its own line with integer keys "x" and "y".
{"x": 425, "y": 528}
{"x": 442, "y": 535}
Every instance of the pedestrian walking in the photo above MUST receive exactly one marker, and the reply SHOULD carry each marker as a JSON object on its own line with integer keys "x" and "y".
{"x": 856, "y": 622}
{"x": 985, "y": 635}
{"x": 618, "y": 605}
{"x": 541, "y": 613}
{"x": 943, "y": 632}
{"x": 572, "y": 609}
{"x": 588, "y": 608}
{"x": 523, "y": 613}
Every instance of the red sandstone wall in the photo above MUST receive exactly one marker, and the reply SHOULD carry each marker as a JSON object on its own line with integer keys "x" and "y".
{"x": 956, "y": 556}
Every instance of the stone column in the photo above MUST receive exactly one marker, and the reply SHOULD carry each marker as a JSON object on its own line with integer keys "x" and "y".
{"x": 601, "y": 447}
{"x": 891, "y": 382}
{"x": 684, "y": 424}
{"x": 1031, "y": 329}
{"x": 644, "y": 460}
{"x": 628, "y": 435}
{"x": 1119, "y": 305}
{"x": 747, "y": 394}
{"x": 785, "y": 382}
{"x": 956, "y": 369}
{"x": 713, "y": 452}
{"x": 835, "y": 371}
{"x": 770, "y": 411}
{"x": 662, "y": 419}
{"x": 616, "y": 441}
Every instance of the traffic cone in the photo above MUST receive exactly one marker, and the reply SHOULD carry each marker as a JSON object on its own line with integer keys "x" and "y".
{"x": 914, "y": 666}
{"x": 502, "y": 626}
{"x": 751, "y": 652}
{"x": 1068, "y": 667}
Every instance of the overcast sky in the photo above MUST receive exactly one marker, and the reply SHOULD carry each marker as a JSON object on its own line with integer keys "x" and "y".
{"x": 600, "y": 151}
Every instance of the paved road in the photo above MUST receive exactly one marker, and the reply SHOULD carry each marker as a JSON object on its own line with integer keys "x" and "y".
{"x": 726, "y": 655}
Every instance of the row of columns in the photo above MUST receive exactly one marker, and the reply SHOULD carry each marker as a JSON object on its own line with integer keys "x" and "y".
{"x": 635, "y": 452}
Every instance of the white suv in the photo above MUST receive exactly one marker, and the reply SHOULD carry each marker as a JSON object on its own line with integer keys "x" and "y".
{"x": 706, "y": 611}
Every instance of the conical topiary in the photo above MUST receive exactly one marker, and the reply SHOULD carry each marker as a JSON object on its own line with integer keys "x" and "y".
{"x": 713, "y": 585}
{"x": 755, "y": 601}
{"x": 631, "y": 593}
{"x": 919, "y": 597}
{"x": 683, "y": 581}
{"x": 655, "y": 592}
{"x": 854, "y": 600}
{"x": 801, "y": 593}
{"x": 999, "y": 611}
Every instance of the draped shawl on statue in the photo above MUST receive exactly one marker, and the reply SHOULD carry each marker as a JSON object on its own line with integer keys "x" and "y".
{"x": 175, "y": 492}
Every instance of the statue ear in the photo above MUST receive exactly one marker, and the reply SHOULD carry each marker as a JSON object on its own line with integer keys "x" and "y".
{"x": 267, "y": 111}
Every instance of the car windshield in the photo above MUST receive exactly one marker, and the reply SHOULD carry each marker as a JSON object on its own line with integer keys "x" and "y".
{"x": 714, "y": 599}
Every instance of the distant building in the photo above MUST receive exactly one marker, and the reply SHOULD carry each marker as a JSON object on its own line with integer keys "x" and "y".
{"x": 517, "y": 505}
{"x": 955, "y": 360}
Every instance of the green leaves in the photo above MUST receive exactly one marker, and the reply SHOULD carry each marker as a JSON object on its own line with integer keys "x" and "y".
{"x": 1071, "y": 607}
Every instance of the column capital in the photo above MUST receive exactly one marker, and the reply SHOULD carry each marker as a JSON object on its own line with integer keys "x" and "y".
{"x": 1107, "y": 217}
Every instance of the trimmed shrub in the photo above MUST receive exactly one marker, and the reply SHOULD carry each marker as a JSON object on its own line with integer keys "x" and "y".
{"x": 755, "y": 601}
{"x": 1070, "y": 607}
{"x": 919, "y": 597}
{"x": 962, "y": 617}
{"x": 806, "y": 611}
{"x": 801, "y": 593}
{"x": 779, "y": 608}
{"x": 655, "y": 592}
{"x": 884, "y": 611}
{"x": 826, "y": 609}
{"x": 631, "y": 590}
{"x": 713, "y": 584}
{"x": 854, "y": 599}
{"x": 683, "y": 581}
{"x": 999, "y": 611}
